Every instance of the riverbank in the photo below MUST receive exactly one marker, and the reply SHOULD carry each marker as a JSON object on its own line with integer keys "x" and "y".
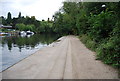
{"x": 66, "y": 58}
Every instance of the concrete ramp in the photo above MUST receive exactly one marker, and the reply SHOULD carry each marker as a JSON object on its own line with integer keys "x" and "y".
{"x": 68, "y": 59}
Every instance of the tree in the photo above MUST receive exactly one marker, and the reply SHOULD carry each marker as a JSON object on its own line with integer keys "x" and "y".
{"x": 20, "y": 27}
{"x": 9, "y": 18}
{"x": 14, "y": 22}
{"x": 3, "y": 20}
{"x": 19, "y": 16}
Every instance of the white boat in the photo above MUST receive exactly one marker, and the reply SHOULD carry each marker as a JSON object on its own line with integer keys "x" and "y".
{"x": 23, "y": 33}
{"x": 30, "y": 33}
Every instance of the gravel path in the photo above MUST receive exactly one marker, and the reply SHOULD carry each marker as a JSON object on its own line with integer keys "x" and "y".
{"x": 66, "y": 59}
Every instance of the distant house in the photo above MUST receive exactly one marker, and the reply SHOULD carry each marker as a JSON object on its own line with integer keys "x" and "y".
{"x": 6, "y": 27}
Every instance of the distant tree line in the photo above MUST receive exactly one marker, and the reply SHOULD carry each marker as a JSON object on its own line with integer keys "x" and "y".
{"x": 27, "y": 23}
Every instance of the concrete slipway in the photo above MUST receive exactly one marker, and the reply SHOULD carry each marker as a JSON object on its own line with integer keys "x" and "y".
{"x": 66, "y": 59}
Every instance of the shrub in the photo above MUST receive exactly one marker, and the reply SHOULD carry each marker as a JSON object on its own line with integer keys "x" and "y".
{"x": 101, "y": 25}
{"x": 109, "y": 52}
{"x": 88, "y": 42}
{"x": 23, "y": 27}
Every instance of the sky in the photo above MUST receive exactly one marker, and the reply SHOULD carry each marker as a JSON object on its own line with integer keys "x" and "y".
{"x": 41, "y": 9}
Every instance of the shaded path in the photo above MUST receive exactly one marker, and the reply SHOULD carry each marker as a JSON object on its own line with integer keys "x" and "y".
{"x": 67, "y": 59}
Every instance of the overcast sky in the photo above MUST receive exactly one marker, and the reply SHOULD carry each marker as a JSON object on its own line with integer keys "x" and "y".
{"x": 41, "y": 9}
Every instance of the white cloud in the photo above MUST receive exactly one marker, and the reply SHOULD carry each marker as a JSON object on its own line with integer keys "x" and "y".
{"x": 41, "y": 9}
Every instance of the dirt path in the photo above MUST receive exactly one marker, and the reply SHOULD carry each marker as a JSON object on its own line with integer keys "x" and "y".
{"x": 67, "y": 59}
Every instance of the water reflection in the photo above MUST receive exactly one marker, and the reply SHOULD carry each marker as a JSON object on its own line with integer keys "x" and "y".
{"x": 15, "y": 48}
{"x": 28, "y": 41}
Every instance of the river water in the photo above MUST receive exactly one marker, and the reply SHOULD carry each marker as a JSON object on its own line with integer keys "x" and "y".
{"x": 15, "y": 48}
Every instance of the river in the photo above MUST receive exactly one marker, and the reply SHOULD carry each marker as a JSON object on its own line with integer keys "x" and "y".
{"x": 15, "y": 48}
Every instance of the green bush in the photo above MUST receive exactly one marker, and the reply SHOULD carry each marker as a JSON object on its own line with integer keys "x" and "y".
{"x": 23, "y": 27}
{"x": 20, "y": 27}
{"x": 101, "y": 25}
{"x": 109, "y": 52}
{"x": 88, "y": 42}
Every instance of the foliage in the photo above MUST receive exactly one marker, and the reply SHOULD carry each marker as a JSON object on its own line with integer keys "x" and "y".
{"x": 110, "y": 52}
{"x": 88, "y": 42}
{"x": 46, "y": 27}
{"x": 9, "y": 18}
{"x": 23, "y": 27}
{"x": 101, "y": 25}
{"x": 3, "y": 20}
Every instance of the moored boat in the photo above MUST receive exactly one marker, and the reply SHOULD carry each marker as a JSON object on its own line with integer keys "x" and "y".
{"x": 30, "y": 33}
{"x": 4, "y": 34}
